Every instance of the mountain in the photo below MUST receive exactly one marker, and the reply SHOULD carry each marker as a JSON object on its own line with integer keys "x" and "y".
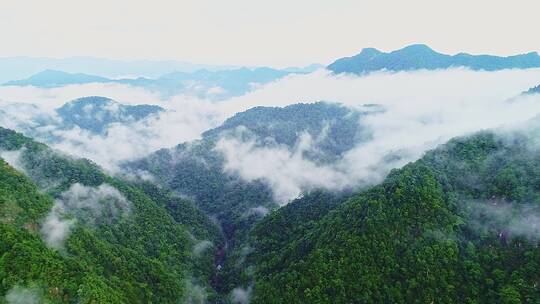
{"x": 21, "y": 67}
{"x": 198, "y": 169}
{"x": 534, "y": 90}
{"x": 220, "y": 83}
{"x": 212, "y": 84}
{"x": 72, "y": 234}
{"x": 335, "y": 128}
{"x": 460, "y": 225}
{"x": 420, "y": 56}
{"x": 96, "y": 114}
{"x": 52, "y": 78}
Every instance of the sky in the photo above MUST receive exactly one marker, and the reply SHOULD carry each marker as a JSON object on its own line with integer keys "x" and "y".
{"x": 276, "y": 33}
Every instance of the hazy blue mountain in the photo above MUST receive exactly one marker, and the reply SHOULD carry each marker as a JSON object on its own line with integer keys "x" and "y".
{"x": 22, "y": 67}
{"x": 420, "y": 56}
{"x": 204, "y": 83}
{"x": 534, "y": 90}
{"x": 52, "y": 78}
{"x": 96, "y": 113}
{"x": 225, "y": 82}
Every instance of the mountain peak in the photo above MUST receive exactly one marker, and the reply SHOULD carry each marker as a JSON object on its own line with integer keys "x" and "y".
{"x": 421, "y": 56}
{"x": 370, "y": 51}
{"x": 417, "y": 47}
{"x": 55, "y": 78}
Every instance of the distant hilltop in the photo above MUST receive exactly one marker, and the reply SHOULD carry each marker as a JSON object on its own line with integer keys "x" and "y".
{"x": 420, "y": 56}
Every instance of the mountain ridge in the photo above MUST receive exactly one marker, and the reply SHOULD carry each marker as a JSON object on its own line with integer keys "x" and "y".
{"x": 421, "y": 56}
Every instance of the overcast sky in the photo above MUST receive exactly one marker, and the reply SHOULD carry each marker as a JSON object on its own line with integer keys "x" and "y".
{"x": 271, "y": 32}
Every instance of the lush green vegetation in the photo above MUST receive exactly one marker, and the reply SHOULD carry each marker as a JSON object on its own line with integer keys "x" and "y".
{"x": 196, "y": 169}
{"x": 425, "y": 235}
{"x": 460, "y": 225}
{"x": 146, "y": 257}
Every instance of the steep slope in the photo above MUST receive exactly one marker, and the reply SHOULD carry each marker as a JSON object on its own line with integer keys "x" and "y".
{"x": 197, "y": 169}
{"x": 104, "y": 240}
{"x": 420, "y": 56}
{"x": 95, "y": 113}
{"x": 459, "y": 225}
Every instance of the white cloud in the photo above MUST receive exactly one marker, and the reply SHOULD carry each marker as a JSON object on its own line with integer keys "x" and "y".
{"x": 201, "y": 247}
{"x": 241, "y": 295}
{"x": 287, "y": 172}
{"x": 56, "y": 228}
{"x": 423, "y": 109}
{"x": 13, "y": 158}
{"x": 87, "y": 205}
{"x": 504, "y": 219}
{"x": 21, "y": 295}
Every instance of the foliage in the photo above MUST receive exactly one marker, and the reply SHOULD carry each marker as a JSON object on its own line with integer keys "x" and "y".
{"x": 414, "y": 238}
{"x": 141, "y": 258}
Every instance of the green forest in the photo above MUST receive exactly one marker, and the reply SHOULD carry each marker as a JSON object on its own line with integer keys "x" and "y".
{"x": 459, "y": 225}
{"x": 438, "y": 230}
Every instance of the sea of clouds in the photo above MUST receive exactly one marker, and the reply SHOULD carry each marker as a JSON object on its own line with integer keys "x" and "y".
{"x": 422, "y": 109}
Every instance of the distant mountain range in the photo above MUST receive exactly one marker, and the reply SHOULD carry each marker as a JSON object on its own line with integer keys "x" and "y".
{"x": 21, "y": 67}
{"x": 202, "y": 83}
{"x": 420, "y": 56}
{"x": 52, "y": 78}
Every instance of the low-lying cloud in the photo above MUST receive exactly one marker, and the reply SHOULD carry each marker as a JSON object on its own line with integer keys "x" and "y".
{"x": 422, "y": 110}
{"x": 503, "y": 219}
{"x": 241, "y": 295}
{"x": 86, "y": 205}
{"x": 22, "y": 295}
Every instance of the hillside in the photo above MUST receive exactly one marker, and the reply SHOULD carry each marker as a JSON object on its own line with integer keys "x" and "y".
{"x": 97, "y": 239}
{"x": 459, "y": 225}
{"x": 197, "y": 169}
{"x": 419, "y": 56}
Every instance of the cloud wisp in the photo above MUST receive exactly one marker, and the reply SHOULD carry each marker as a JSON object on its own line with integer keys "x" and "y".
{"x": 85, "y": 205}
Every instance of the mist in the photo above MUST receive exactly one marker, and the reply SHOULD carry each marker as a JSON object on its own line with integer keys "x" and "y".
{"x": 85, "y": 205}
{"x": 21, "y": 295}
{"x": 499, "y": 218}
{"x": 422, "y": 109}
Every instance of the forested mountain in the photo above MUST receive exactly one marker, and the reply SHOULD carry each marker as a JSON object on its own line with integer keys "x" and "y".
{"x": 95, "y": 113}
{"x": 460, "y": 225}
{"x": 420, "y": 56}
{"x": 72, "y": 234}
{"x": 197, "y": 169}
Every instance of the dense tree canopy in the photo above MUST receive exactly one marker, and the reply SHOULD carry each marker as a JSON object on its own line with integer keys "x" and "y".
{"x": 146, "y": 256}
{"x": 432, "y": 232}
